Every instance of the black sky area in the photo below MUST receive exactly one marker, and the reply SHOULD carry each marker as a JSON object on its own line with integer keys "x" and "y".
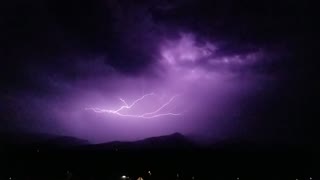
{"x": 49, "y": 33}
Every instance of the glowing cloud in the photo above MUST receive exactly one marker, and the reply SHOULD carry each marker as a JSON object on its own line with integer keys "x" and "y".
{"x": 185, "y": 50}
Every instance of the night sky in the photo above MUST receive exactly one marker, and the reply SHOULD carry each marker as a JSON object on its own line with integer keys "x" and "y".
{"x": 108, "y": 70}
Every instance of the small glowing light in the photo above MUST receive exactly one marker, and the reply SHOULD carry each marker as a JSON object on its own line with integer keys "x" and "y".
{"x": 310, "y": 178}
{"x": 192, "y": 177}
{"x": 123, "y": 177}
{"x": 238, "y": 178}
{"x": 149, "y": 172}
{"x": 10, "y": 178}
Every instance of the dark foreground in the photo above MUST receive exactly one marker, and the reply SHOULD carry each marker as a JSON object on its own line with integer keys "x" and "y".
{"x": 153, "y": 161}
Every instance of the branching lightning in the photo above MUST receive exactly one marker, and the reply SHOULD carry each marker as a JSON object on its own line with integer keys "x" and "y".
{"x": 148, "y": 115}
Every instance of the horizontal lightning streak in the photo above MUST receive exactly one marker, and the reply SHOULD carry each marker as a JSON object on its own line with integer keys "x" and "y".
{"x": 160, "y": 108}
{"x": 134, "y": 102}
{"x": 148, "y": 115}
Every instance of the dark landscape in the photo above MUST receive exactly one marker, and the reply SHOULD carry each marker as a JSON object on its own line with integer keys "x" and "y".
{"x": 166, "y": 157}
{"x": 159, "y": 90}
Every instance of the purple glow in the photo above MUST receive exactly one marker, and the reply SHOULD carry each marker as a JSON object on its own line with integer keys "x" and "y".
{"x": 185, "y": 50}
{"x": 147, "y": 115}
{"x": 96, "y": 107}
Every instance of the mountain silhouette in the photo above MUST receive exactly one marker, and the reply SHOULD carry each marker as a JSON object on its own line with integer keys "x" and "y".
{"x": 39, "y": 140}
{"x": 64, "y": 141}
{"x": 173, "y": 141}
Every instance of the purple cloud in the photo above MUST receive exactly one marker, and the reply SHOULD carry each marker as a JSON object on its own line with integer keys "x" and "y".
{"x": 102, "y": 104}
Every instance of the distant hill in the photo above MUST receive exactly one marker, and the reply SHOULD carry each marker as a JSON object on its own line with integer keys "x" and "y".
{"x": 39, "y": 139}
{"x": 64, "y": 141}
{"x": 7, "y": 138}
{"x": 174, "y": 141}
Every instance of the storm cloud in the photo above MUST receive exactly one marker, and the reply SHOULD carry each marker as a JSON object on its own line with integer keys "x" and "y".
{"x": 225, "y": 58}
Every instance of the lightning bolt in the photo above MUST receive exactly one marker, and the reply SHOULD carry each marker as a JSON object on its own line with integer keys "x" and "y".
{"x": 148, "y": 115}
{"x": 126, "y": 106}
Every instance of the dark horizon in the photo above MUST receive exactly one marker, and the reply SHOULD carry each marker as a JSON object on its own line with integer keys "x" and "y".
{"x": 158, "y": 158}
